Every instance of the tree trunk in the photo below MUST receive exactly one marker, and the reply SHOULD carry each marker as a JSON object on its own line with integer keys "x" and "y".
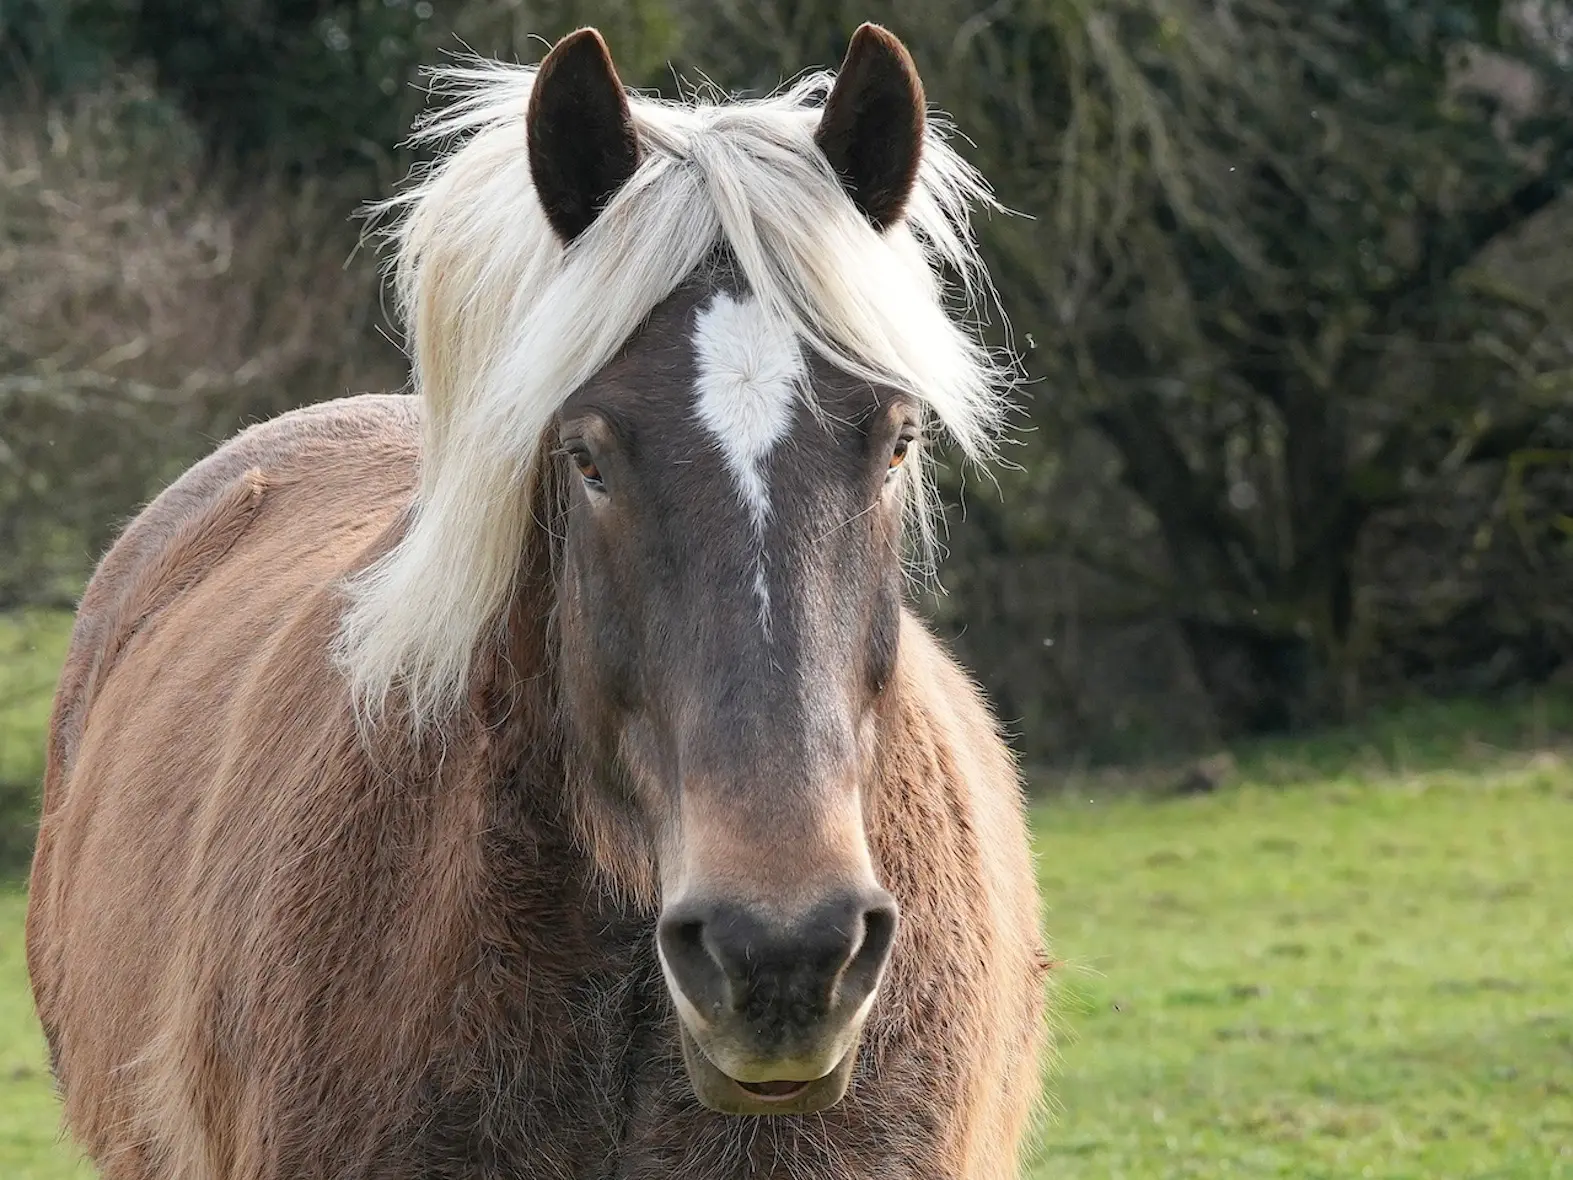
{"x": 1257, "y": 682}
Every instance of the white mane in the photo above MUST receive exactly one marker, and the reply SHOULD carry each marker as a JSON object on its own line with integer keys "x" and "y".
{"x": 506, "y": 323}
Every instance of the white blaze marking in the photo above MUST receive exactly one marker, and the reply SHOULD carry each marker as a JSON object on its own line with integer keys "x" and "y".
{"x": 750, "y": 370}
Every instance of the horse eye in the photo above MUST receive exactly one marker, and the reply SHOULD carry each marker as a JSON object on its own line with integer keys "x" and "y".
{"x": 898, "y": 453}
{"x": 588, "y": 471}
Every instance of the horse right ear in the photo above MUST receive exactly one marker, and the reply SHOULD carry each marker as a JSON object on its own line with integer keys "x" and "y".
{"x": 583, "y": 147}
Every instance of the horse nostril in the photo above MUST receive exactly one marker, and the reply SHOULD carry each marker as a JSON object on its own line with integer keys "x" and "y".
{"x": 697, "y": 972}
{"x": 687, "y": 937}
{"x": 868, "y": 958}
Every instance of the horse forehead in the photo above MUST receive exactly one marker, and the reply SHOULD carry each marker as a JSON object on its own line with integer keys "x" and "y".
{"x": 749, "y": 373}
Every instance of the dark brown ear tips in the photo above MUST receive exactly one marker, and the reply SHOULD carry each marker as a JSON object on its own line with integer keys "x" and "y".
{"x": 872, "y": 128}
{"x": 581, "y": 133}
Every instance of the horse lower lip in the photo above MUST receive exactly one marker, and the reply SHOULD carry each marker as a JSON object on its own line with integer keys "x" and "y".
{"x": 774, "y": 1090}
{"x": 726, "y": 1094}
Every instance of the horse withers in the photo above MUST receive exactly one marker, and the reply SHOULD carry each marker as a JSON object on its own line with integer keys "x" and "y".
{"x": 540, "y": 775}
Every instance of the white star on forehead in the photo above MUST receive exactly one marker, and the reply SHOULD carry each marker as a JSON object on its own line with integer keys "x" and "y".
{"x": 751, "y": 368}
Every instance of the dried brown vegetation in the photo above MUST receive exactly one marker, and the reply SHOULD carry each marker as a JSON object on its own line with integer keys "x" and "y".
{"x": 150, "y": 303}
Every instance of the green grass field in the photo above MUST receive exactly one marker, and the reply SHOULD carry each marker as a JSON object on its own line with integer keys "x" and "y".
{"x": 1355, "y": 960}
{"x": 1360, "y": 976}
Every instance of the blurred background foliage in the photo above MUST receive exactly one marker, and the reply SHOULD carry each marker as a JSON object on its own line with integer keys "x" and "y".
{"x": 1293, "y": 283}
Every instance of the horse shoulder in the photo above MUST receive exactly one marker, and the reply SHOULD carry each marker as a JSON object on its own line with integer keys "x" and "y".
{"x": 192, "y": 604}
{"x": 949, "y": 712}
{"x": 974, "y": 771}
{"x": 182, "y": 535}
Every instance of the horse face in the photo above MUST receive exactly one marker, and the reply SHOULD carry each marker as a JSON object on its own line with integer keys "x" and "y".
{"x": 732, "y": 590}
{"x": 731, "y": 603}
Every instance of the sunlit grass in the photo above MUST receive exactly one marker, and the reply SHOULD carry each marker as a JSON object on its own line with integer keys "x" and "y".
{"x": 30, "y": 1145}
{"x": 32, "y": 647}
{"x": 1362, "y": 975}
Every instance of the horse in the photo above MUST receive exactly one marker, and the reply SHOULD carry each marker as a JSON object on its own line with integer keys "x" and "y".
{"x": 543, "y": 773}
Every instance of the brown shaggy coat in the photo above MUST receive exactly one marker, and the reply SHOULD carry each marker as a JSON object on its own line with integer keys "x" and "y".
{"x": 265, "y": 949}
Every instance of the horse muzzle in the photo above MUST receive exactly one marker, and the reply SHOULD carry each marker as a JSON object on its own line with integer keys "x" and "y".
{"x": 772, "y": 1009}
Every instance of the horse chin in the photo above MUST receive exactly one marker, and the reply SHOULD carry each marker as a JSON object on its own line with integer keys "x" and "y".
{"x": 722, "y": 1093}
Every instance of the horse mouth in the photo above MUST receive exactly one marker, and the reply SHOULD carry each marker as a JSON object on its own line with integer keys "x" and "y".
{"x": 725, "y": 1094}
{"x": 775, "y": 1091}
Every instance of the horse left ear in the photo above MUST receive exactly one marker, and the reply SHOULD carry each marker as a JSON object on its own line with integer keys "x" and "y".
{"x": 583, "y": 147}
{"x": 872, "y": 128}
